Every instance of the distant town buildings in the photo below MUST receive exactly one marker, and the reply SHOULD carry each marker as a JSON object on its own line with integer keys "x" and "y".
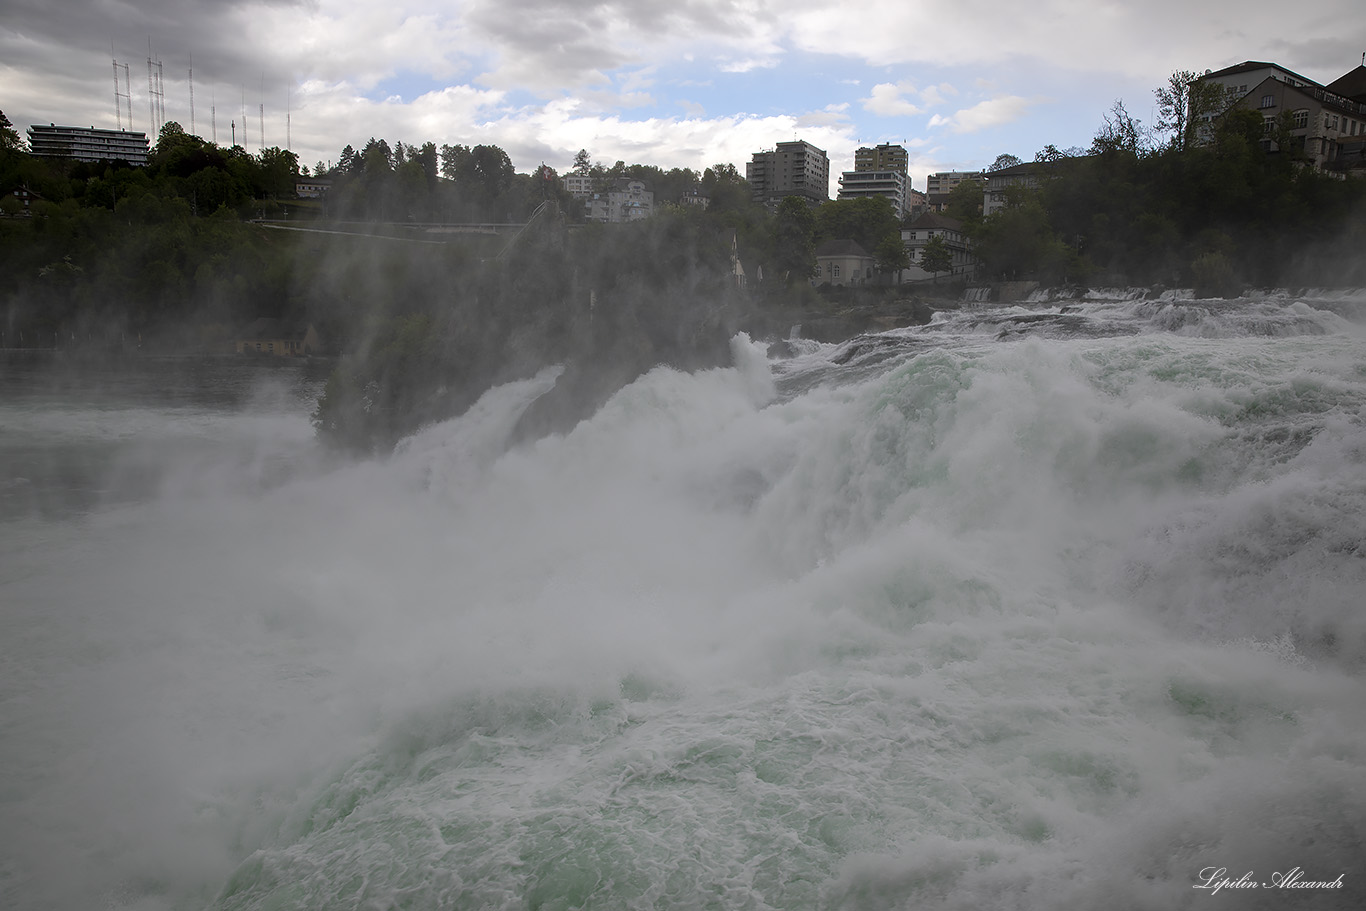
{"x": 790, "y": 169}
{"x": 611, "y": 201}
{"x": 939, "y": 185}
{"x": 1028, "y": 174}
{"x": 312, "y": 187}
{"x": 88, "y": 144}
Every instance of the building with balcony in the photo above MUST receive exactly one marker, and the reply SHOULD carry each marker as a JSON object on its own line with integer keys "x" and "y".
{"x": 790, "y": 169}
{"x": 939, "y": 185}
{"x": 885, "y": 157}
{"x": 1325, "y": 123}
{"x": 624, "y": 199}
{"x": 88, "y": 144}
{"x": 951, "y": 233}
{"x": 890, "y": 185}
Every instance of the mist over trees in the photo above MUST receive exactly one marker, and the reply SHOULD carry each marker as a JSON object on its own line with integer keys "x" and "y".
{"x": 1162, "y": 206}
{"x": 177, "y": 255}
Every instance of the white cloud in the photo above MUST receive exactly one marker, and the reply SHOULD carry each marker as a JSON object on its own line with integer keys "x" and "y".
{"x": 993, "y": 112}
{"x": 888, "y": 100}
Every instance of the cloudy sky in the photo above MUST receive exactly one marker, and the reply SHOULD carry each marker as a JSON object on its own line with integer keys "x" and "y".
{"x": 675, "y": 83}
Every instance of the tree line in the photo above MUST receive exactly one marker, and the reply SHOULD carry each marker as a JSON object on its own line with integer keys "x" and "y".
{"x": 1211, "y": 197}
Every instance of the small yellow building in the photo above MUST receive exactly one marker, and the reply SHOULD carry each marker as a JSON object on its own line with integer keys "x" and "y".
{"x": 842, "y": 262}
{"x": 278, "y": 337}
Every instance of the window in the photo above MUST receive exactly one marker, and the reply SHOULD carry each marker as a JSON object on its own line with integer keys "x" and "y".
{"x": 834, "y": 271}
{"x": 818, "y": 270}
{"x": 1268, "y": 101}
{"x": 1302, "y": 119}
{"x": 1268, "y": 125}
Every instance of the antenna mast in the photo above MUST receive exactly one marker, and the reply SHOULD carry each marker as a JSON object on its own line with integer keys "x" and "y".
{"x": 126, "y": 95}
{"x": 156, "y": 94}
{"x": 192, "y": 94}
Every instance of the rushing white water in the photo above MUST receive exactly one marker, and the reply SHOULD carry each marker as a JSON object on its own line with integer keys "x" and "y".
{"x": 1024, "y": 609}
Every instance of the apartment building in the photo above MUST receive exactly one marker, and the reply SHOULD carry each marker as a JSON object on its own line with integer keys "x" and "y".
{"x": 879, "y": 171}
{"x": 790, "y": 169}
{"x": 885, "y": 157}
{"x": 88, "y": 144}
{"x": 624, "y": 199}
{"x": 938, "y": 186}
{"x": 890, "y": 185}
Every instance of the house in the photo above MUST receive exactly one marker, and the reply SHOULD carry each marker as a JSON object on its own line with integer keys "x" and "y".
{"x": 694, "y": 199}
{"x": 1326, "y": 123}
{"x": 311, "y": 187}
{"x": 25, "y": 198}
{"x": 1028, "y": 175}
{"x": 939, "y": 185}
{"x": 950, "y": 231}
{"x": 625, "y": 199}
{"x": 579, "y": 186}
{"x": 268, "y": 336}
{"x": 842, "y": 262}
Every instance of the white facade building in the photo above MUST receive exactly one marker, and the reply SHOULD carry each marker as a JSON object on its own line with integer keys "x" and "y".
{"x": 625, "y": 199}
{"x": 88, "y": 144}
{"x": 891, "y": 185}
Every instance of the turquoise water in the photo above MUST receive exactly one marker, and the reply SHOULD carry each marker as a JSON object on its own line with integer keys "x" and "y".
{"x": 1020, "y": 610}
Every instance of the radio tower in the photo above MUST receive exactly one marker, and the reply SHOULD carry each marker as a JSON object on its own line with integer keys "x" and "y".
{"x": 262, "y": 112}
{"x": 192, "y": 94}
{"x": 156, "y": 94}
{"x": 125, "y": 95}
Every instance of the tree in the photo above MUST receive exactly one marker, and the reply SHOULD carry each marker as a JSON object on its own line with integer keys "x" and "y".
{"x": 583, "y": 165}
{"x": 9, "y": 137}
{"x": 1183, "y": 103}
{"x": 866, "y": 221}
{"x": 1004, "y": 161}
{"x": 453, "y": 158}
{"x": 936, "y": 257}
{"x": 1119, "y": 133}
{"x": 794, "y": 247}
{"x": 279, "y": 170}
{"x": 891, "y": 254}
{"x": 965, "y": 202}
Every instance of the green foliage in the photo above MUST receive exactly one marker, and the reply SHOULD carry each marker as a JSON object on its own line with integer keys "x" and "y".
{"x": 868, "y": 221}
{"x": 935, "y": 256}
{"x": 9, "y": 137}
{"x": 794, "y": 247}
{"x": 965, "y": 202}
{"x": 891, "y": 254}
{"x": 1213, "y": 276}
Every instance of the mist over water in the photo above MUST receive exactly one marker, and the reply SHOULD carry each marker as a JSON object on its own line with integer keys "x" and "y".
{"x": 1023, "y": 609}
